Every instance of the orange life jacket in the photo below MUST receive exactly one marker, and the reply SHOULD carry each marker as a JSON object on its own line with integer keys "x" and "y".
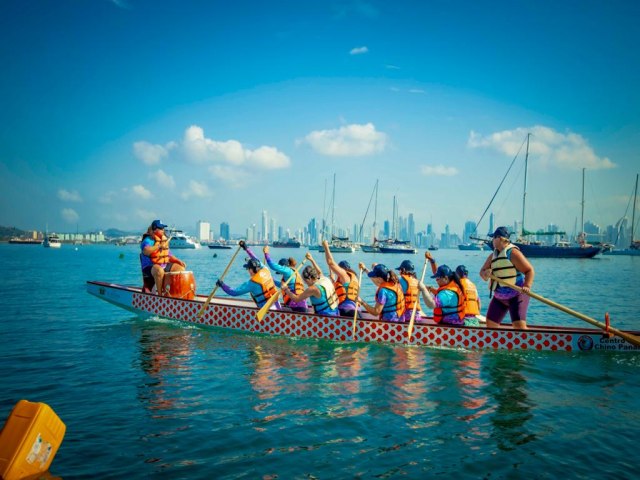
{"x": 440, "y": 312}
{"x": 472, "y": 306}
{"x": 411, "y": 293}
{"x": 351, "y": 292}
{"x": 263, "y": 278}
{"x": 160, "y": 256}
{"x": 298, "y": 288}
{"x": 398, "y": 307}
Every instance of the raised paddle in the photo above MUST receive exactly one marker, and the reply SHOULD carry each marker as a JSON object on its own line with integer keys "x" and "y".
{"x": 272, "y": 299}
{"x": 206, "y": 304}
{"x": 415, "y": 305}
{"x": 627, "y": 336}
{"x": 355, "y": 312}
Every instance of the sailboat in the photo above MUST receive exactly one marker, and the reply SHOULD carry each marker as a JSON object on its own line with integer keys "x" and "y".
{"x": 393, "y": 245}
{"x": 337, "y": 244}
{"x": 634, "y": 247}
{"x": 561, "y": 249}
{"x": 373, "y": 248}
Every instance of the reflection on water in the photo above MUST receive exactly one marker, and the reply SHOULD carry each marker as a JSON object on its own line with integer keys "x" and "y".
{"x": 508, "y": 389}
{"x": 165, "y": 358}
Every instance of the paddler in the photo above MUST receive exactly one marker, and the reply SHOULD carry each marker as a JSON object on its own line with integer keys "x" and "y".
{"x": 156, "y": 258}
{"x": 345, "y": 281}
{"x": 320, "y": 290}
{"x": 472, "y": 305}
{"x": 449, "y": 299}
{"x": 411, "y": 287}
{"x": 509, "y": 264}
{"x": 260, "y": 285}
{"x": 286, "y": 268}
{"x": 389, "y": 299}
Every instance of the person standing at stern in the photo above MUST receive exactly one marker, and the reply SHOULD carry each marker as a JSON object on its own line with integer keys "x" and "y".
{"x": 510, "y": 265}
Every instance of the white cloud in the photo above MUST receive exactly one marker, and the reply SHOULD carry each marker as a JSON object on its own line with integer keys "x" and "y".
{"x": 268, "y": 158}
{"x": 140, "y": 191}
{"x": 348, "y": 141}
{"x": 416, "y": 90}
{"x": 198, "y": 190}
{"x": 234, "y": 177}
{"x": 69, "y": 215}
{"x": 358, "y": 51}
{"x": 108, "y": 197}
{"x": 68, "y": 196}
{"x": 438, "y": 171}
{"x": 547, "y": 146}
{"x": 151, "y": 154}
{"x": 199, "y": 149}
{"x": 163, "y": 179}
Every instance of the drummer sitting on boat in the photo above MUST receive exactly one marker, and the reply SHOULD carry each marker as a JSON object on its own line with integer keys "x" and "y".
{"x": 260, "y": 284}
{"x": 156, "y": 258}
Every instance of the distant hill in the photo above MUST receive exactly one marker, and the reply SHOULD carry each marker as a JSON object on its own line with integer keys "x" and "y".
{"x": 116, "y": 233}
{"x": 6, "y": 233}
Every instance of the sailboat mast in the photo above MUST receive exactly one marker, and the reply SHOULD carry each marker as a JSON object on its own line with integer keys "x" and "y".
{"x": 524, "y": 194}
{"x": 375, "y": 215}
{"x": 633, "y": 214}
{"x": 582, "y": 209}
{"x": 333, "y": 205}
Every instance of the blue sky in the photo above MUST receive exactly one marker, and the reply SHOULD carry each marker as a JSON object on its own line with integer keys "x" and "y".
{"x": 118, "y": 112}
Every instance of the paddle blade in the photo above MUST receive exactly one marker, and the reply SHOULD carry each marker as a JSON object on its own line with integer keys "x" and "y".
{"x": 265, "y": 308}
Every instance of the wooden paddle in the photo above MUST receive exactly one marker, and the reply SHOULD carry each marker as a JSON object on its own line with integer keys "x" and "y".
{"x": 627, "y": 336}
{"x": 206, "y": 304}
{"x": 415, "y": 305}
{"x": 355, "y": 313}
{"x": 272, "y": 299}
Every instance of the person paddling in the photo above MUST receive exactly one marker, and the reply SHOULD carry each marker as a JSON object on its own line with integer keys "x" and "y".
{"x": 260, "y": 284}
{"x": 411, "y": 287}
{"x": 320, "y": 291}
{"x": 472, "y": 305}
{"x": 510, "y": 265}
{"x": 345, "y": 282}
{"x": 389, "y": 299}
{"x": 286, "y": 268}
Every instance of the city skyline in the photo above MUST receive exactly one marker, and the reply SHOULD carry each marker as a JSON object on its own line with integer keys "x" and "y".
{"x": 233, "y": 111}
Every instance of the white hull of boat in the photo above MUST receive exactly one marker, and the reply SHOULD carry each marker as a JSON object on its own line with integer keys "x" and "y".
{"x": 240, "y": 315}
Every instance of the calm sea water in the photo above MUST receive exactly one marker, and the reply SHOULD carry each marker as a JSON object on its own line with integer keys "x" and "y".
{"x": 152, "y": 398}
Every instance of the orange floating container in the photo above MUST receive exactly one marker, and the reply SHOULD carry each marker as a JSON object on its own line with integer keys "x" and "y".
{"x": 29, "y": 440}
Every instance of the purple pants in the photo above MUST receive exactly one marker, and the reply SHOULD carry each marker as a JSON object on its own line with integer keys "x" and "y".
{"x": 516, "y": 306}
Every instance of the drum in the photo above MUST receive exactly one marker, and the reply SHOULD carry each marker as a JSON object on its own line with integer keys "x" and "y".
{"x": 180, "y": 285}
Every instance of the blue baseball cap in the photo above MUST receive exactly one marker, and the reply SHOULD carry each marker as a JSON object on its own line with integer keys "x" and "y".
{"x": 500, "y": 232}
{"x": 407, "y": 266}
{"x": 283, "y": 262}
{"x": 252, "y": 263}
{"x": 344, "y": 264}
{"x": 158, "y": 224}
{"x": 462, "y": 271}
{"x": 443, "y": 271}
{"x": 379, "y": 271}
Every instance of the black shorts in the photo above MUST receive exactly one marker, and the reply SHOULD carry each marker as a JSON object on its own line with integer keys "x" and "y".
{"x": 146, "y": 271}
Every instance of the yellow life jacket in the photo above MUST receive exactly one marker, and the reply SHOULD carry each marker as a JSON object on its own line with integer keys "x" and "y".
{"x": 263, "y": 278}
{"x": 328, "y": 300}
{"x": 503, "y": 268}
{"x": 411, "y": 293}
{"x": 472, "y": 307}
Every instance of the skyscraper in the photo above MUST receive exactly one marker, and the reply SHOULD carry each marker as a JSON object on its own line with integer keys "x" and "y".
{"x": 203, "y": 230}
{"x": 265, "y": 226}
{"x": 224, "y": 231}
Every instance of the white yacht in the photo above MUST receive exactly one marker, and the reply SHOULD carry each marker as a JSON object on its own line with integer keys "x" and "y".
{"x": 51, "y": 241}
{"x": 181, "y": 241}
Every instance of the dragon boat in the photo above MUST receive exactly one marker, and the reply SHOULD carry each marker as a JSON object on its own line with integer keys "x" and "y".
{"x": 240, "y": 314}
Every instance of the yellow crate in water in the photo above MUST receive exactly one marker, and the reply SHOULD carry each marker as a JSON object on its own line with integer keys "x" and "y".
{"x": 29, "y": 440}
